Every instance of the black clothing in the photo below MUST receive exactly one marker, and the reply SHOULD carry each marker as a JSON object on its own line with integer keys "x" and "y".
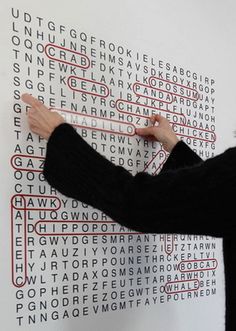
{"x": 189, "y": 196}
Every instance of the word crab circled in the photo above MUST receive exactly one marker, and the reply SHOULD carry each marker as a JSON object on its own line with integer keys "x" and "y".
{"x": 66, "y": 56}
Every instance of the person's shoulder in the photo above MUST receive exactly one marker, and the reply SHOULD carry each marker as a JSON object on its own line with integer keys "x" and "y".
{"x": 230, "y": 153}
{"x": 225, "y": 160}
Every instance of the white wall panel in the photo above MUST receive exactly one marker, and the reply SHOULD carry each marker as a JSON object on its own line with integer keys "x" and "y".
{"x": 64, "y": 265}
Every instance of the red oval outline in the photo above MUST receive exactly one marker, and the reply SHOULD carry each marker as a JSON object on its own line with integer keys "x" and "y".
{"x": 170, "y": 82}
{"x": 24, "y": 156}
{"x": 100, "y": 118}
{"x": 79, "y": 233}
{"x": 183, "y": 281}
{"x": 199, "y": 260}
{"x": 24, "y": 249}
{"x": 196, "y": 128}
{"x": 148, "y": 86}
{"x": 150, "y": 162}
{"x": 69, "y": 50}
{"x": 90, "y": 81}
{"x": 142, "y": 105}
{"x": 36, "y": 196}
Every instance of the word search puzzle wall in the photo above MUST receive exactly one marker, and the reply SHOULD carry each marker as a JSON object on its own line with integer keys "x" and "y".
{"x": 106, "y": 68}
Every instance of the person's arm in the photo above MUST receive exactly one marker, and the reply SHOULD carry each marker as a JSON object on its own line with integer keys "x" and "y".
{"x": 181, "y": 156}
{"x": 185, "y": 200}
{"x": 189, "y": 200}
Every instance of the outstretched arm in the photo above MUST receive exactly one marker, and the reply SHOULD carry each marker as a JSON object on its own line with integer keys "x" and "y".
{"x": 180, "y": 154}
{"x": 186, "y": 200}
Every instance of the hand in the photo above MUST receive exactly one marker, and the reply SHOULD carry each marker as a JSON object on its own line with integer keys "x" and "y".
{"x": 42, "y": 121}
{"x": 162, "y": 132}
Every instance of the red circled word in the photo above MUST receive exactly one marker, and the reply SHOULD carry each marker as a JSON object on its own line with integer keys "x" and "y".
{"x": 174, "y": 88}
{"x": 78, "y": 228}
{"x": 126, "y": 107}
{"x": 27, "y": 162}
{"x": 180, "y": 286}
{"x": 97, "y": 123}
{"x": 147, "y": 91}
{"x": 88, "y": 86}
{"x": 197, "y": 265}
{"x": 67, "y": 56}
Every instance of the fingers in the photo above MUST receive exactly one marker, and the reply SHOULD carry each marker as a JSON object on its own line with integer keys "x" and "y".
{"x": 33, "y": 102}
{"x": 149, "y": 131}
{"x": 153, "y": 119}
{"x": 156, "y": 118}
{"x": 145, "y": 131}
{"x": 31, "y": 112}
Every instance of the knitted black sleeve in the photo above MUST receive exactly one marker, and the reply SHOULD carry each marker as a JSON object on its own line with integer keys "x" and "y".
{"x": 181, "y": 156}
{"x": 187, "y": 200}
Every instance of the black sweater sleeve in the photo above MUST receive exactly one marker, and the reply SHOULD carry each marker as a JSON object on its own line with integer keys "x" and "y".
{"x": 186, "y": 200}
{"x": 181, "y": 156}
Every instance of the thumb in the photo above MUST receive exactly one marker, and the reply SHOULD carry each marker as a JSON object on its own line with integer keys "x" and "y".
{"x": 156, "y": 118}
{"x": 145, "y": 131}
